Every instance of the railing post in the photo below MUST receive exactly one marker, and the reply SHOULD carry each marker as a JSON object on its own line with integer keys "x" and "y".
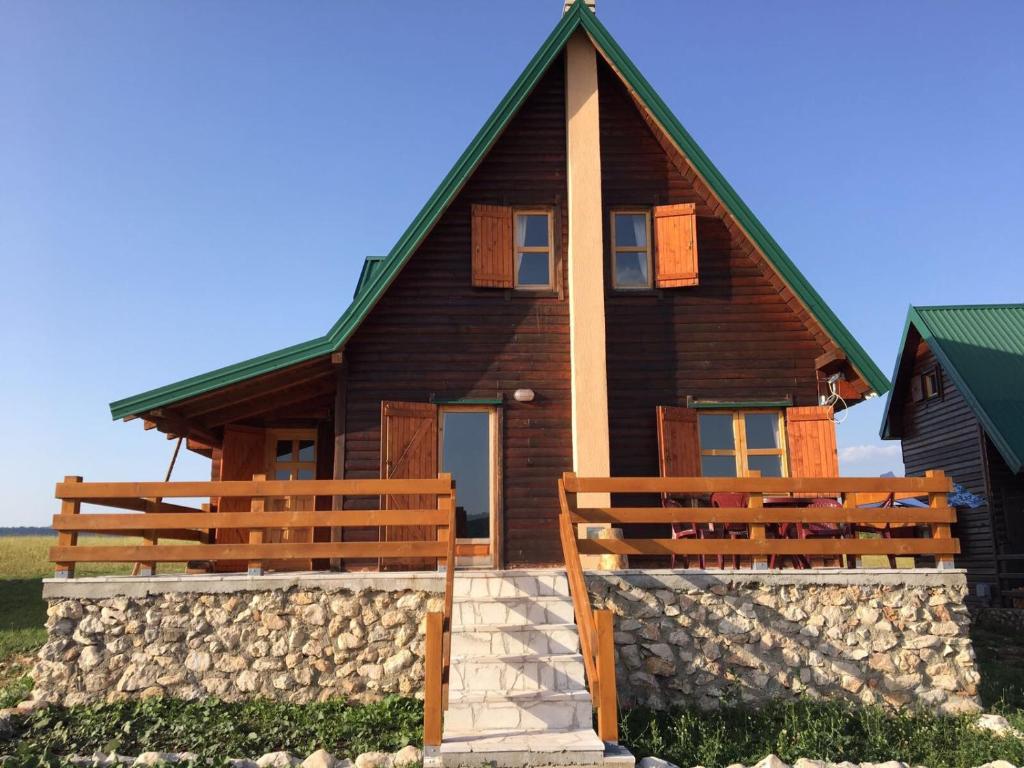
{"x": 850, "y": 502}
{"x": 607, "y": 706}
{"x": 149, "y": 539}
{"x": 257, "y": 504}
{"x": 757, "y": 530}
{"x": 940, "y": 530}
{"x": 70, "y": 538}
{"x": 432, "y": 680}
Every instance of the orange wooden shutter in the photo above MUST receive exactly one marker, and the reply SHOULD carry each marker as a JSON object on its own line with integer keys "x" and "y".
{"x": 408, "y": 450}
{"x": 811, "y": 436}
{"x": 492, "y": 246}
{"x": 242, "y": 456}
{"x": 678, "y": 442}
{"x": 675, "y": 245}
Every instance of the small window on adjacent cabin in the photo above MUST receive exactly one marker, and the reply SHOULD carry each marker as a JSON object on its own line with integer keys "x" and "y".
{"x": 631, "y": 250}
{"x": 533, "y": 262}
{"x": 930, "y": 384}
{"x": 736, "y": 443}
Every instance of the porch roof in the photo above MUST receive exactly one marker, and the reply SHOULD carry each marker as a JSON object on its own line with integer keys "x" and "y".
{"x": 376, "y": 277}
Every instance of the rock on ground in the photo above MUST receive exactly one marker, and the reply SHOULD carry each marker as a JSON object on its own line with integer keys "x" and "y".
{"x": 407, "y": 755}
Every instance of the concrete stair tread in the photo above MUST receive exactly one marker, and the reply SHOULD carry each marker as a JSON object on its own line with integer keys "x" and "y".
{"x": 515, "y": 658}
{"x": 515, "y": 697}
{"x": 514, "y": 599}
{"x": 499, "y": 740}
{"x": 511, "y": 627}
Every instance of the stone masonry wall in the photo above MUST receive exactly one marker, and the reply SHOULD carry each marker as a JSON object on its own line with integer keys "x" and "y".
{"x": 231, "y": 637}
{"x": 894, "y": 638}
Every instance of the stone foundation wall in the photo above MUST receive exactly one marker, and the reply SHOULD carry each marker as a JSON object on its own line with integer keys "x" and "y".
{"x": 890, "y": 637}
{"x": 297, "y": 638}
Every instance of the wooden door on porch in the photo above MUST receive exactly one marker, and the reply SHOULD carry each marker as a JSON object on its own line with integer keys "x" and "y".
{"x": 408, "y": 450}
{"x": 291, "y": 454}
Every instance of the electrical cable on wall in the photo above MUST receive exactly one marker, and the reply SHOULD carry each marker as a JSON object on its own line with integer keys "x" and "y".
{"x": 834, "y": 397}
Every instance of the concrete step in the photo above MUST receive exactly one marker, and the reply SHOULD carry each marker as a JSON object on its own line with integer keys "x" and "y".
{"x": 517, "y": 711}
{"x": 545, "y": 583}
{"x": 470, "y": 611}
{"x": 511, "y": 749}
{"x": 515, "y": 639}
{"x": 530, "y": 672}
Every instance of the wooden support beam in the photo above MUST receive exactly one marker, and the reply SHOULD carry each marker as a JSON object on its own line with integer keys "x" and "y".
{"x": 66, "y": 569}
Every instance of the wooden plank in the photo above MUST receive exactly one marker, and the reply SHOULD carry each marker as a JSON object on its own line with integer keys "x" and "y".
{"x": 607, "y": 705}
{"x": 768, "y": 546}
{"x": 289, "y": 519}
{"x": 757, "y": 531}
{"x": 432, "y": 668}
{"x": 149, "y": 539}
{"x": 165, "y": 553}
{"x": 768, "y": 485}
{"x": 257, "y": 505}
{"x": 141, "y": 505}
{"x": 940, "y": 531}
{"x": 870, "y": 516}
{"x": 190, "y": 489}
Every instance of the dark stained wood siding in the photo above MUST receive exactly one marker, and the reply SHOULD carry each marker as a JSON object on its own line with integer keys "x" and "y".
{"x": 433, "y": 334}
{"x": 943, "y": 433}
{"x": 736, "y": 335}
{"x": 1007, "y": 503}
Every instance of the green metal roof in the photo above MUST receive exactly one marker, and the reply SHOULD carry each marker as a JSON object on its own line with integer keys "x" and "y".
{"x": 981, "y": 348}
{"x": 370, "y": 268}
{"x": 381, "y": 275}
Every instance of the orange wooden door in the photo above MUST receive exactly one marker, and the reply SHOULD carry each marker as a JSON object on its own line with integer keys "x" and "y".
{"x": 408, "y": 450}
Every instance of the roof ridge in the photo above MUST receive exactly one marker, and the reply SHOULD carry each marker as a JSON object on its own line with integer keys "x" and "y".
{"x": 927, "y": 307}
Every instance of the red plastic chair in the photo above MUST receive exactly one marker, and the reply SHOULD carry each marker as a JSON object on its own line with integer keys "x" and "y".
{"x": 683, "y": 531}
{"x": 729, "y": 530}
{"x": 822, "y": 530}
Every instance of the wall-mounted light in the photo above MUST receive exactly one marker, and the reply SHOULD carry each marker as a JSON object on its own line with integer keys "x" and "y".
{"x": 523, "y": 395}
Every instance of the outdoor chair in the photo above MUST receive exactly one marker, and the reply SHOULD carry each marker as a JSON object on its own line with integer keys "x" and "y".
{"x": 729, "y": 530}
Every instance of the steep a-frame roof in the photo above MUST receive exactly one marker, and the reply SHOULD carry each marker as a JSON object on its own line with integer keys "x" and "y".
{"x": 375, "y": 279}
{"x": 981, "y": 348}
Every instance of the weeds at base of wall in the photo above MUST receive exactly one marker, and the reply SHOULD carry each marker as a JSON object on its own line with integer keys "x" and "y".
{"x": 819, "y": 730}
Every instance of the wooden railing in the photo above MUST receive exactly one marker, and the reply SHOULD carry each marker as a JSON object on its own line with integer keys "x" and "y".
{"x": 144, "y": 512}
{"x": 755, "y": 538}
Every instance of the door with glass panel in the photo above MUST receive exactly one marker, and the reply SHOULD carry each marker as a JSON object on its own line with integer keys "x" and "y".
{"x": 737, "y": 443}
{"x": 291, "y": 456}
{"x": 469, "y": 451}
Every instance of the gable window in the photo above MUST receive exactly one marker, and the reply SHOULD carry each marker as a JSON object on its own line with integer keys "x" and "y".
{"x": 631, "y": 249}
{"x": 930, "y": 384}
{"x": 735, "y": 443}
{"x": 533, "y": 262}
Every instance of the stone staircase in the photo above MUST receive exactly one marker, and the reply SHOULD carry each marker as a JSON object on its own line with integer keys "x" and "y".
{"x": 517, "y": 691}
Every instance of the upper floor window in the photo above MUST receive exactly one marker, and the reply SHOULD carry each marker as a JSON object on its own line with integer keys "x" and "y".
{"x": 533, "y": 252}
{"x": 930, "y": 384}
{"x": 735, "y": 443}
{"x": 631, "y": 249}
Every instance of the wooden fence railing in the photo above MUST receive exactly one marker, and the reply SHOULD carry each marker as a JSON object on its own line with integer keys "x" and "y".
{"x": 757, "y": 533}
{"x": 143, "y": 511}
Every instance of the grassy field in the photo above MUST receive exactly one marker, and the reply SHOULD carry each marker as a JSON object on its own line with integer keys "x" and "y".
{"x": 24, "y": 563}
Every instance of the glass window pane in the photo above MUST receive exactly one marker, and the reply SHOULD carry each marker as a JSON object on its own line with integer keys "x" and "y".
{"x": 532, "y": 269}
{"x": 718, "y": 466}
{"x": 762, "y": 430}
{"x": 630, "y": 230}
{"x": 284, "y": 450}
{"x": 307, "y": 451}
{"x": 283, "y": 474}
{"x": 307, "y": 474}
{"x": 716, "y": 432}
{"x": 532, "y": 230}
{"x": 768, "y": 466}
{"x": 465, "y": 452}
{"x": 631, "y": 270}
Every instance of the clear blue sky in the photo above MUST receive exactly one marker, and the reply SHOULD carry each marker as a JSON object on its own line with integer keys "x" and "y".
{"x": 187, "y": 184}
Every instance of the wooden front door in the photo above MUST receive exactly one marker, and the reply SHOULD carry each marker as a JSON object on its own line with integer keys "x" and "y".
{"x": 408, "y": 450}
{"x": 242, "y": 457}
{"x": 291, "y": 455}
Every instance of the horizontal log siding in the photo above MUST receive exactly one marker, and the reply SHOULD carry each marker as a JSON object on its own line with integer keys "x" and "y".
{"x": 734, "y": 336}
{"x": 943, "y": 433}
{"x": 434, "y": 334}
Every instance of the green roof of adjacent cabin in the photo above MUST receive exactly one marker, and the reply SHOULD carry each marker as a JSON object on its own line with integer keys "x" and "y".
{"x": 376, "y": 277}
{"x": 981, "y": 348}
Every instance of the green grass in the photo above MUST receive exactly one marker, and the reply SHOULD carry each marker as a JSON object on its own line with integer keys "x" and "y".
{"x": 831, "y": 731}
{"x": 217, "y": 730}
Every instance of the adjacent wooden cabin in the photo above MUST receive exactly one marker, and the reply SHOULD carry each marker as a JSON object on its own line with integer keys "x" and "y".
{"x": 956, "y": 405}
{"x": 583, "y": 292}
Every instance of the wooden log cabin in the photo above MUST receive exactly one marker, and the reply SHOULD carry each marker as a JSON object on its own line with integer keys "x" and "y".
{"x": 583, "y": 292}
{"x": 956, "y": 405}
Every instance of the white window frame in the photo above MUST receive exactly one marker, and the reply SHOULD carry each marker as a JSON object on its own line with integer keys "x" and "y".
{"x": 648, "y": 251}
{"x": 549, "y": 250}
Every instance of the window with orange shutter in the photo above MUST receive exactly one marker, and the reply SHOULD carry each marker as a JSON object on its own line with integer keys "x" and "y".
{"x": 675, "y": 245}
